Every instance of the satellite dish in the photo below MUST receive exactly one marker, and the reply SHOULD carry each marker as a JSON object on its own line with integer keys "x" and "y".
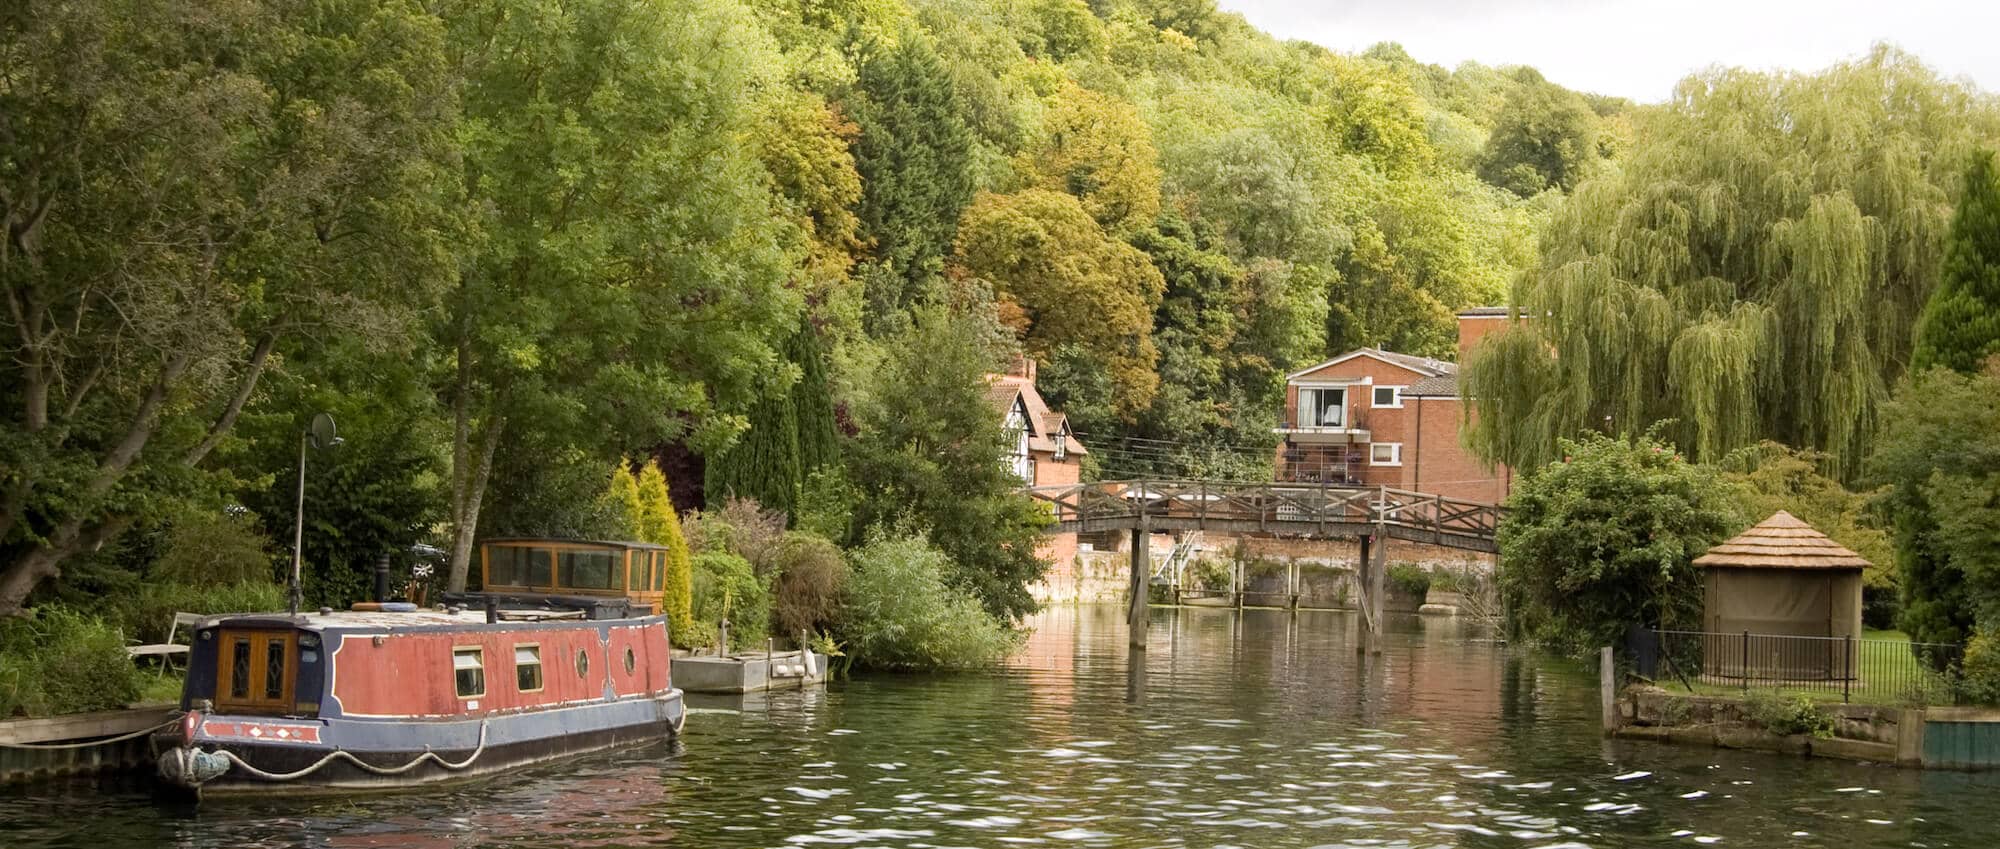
{"x": 321, "y": 431}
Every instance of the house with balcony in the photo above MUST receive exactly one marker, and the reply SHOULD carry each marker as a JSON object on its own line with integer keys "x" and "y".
{"x": 1372, "y": 417}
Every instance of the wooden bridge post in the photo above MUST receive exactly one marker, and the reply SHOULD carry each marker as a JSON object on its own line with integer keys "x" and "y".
{"x": 1361, "y": 590}
{"x": 1292, "y": 583}
{"x": 1142, "y": 566}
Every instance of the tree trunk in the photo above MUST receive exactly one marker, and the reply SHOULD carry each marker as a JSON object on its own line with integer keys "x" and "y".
{"x": 465, "y": 510}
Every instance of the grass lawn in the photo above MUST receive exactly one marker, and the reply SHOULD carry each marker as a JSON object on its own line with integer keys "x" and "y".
{"x": 1881, "y": 658}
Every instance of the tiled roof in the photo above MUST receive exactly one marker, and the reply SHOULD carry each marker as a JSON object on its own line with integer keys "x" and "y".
{"x": 1044, "y": 423}
{"x": 1781, "y": 542}
{"x": 1442, "y": 386}
{"x": 1421, "y": 364}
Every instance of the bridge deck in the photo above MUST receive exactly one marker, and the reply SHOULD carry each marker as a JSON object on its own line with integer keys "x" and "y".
{"x": 1275, "y": 509}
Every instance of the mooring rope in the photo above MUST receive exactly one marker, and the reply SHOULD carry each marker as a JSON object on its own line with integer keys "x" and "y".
{"x": 342, "y": 754}
{"x": 119, "y": 739}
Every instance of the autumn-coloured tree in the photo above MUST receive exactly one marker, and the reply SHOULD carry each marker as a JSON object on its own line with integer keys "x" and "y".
{"x": 1064, "y": 282}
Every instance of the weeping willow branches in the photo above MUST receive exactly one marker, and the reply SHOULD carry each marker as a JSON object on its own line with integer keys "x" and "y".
{"x": 1754, "y": 272}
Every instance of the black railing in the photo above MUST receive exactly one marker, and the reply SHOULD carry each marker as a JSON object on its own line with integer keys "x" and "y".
{"x": 1882, "y": 671}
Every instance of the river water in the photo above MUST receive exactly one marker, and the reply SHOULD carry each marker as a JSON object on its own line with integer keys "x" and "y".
{"x": 1262, "y": 729}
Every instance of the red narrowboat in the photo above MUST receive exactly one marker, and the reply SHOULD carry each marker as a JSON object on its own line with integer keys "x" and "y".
{"x": 349, "y": 700}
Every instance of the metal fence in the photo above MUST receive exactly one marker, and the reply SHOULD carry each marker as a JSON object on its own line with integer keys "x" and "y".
{"x": 1869, "y": 670}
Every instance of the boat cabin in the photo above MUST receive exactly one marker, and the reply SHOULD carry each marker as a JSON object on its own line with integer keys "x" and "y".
{"x": 636, "y": 571}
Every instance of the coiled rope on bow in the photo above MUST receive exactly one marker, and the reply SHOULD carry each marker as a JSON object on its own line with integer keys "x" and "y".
{"x": 343, "y": 754}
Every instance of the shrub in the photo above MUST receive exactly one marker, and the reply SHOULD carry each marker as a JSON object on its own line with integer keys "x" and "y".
{"x": 219, "y": 548}
{"x": 1409, "y": 579}
{"x": 147, "y": 614}
{"x": 1605, "y": 539}
{"x": 741, "y": 527}
{"x": 898, "y": 612}
{"x": 1979, "y": 680}
{"x": 726, "y": 587}
{"x": 1785, "y": 715}
{"x": 810, "y": 575}
{"x": 63, "y": 661}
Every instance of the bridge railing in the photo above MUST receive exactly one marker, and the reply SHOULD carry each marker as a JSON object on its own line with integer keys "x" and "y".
{"x": 1275, "y": 506}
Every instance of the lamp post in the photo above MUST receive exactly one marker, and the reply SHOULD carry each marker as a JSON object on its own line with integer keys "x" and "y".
{"x": 319, "y": 434}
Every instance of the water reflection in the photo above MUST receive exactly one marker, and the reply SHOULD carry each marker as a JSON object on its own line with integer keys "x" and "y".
{"x": 1259, "y": 728}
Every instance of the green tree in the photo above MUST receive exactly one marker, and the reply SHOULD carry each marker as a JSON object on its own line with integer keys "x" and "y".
{"x": 1097, "y": 148}
{"x": 1941, "y": 466}
{"x": 189, "y": 193}
{"x": 628, "y": 245}
{"x": 1064, "y": 282}
{"x": 1544, "y": 138}
{"x": 1605, "y": 538}
{"x": 1960, "y": 327}
{"x": 661, "y": 525}
{"x": 622, "y": 500}
{"x": 929, "y": 456}
{"x": 912, "y": 157}
{"x": 1749, "y": 273}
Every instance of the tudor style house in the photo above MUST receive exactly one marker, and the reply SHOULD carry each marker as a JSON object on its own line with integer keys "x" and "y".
{"x": 1045, "y": 452}
{"x": 1370, "y": 417}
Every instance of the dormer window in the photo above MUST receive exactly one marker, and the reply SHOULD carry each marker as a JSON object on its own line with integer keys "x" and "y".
{"x": 1062, "y": 442}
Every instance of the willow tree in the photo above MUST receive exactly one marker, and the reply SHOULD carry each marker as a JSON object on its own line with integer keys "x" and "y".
{"x": 1754, "y": 271}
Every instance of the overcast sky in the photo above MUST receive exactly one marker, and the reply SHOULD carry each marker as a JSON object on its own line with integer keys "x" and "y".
{"x": 1640, "y": 48}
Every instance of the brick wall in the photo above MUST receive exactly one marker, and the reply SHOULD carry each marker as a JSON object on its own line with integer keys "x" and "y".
{"x": 1436, "y": 461}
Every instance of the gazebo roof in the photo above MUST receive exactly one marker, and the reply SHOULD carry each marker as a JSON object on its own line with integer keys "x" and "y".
{"x": 1781, "y": 542}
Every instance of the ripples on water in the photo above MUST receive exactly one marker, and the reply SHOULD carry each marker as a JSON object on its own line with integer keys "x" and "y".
{"x": 1263, "y": 731}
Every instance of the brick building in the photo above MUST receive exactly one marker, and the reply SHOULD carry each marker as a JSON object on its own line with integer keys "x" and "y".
{"x": 1370, "y": 417}
{"x": 1045, "y": 453}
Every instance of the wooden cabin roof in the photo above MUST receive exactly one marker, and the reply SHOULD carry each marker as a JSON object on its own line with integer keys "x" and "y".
{"x": 1781, "y": 542}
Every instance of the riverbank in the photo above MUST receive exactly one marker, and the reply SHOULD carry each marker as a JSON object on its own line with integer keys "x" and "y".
{"x": 1954, "y": 738}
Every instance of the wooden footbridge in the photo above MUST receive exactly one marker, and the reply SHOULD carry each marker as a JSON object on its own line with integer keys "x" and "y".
{"x": 1368, "y": 514}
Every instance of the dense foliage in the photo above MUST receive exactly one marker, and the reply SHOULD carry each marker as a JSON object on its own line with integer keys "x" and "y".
{"x": 1753, "y": 270}
{"x": 1941, "y": 468}
{"x": 1604, "y": 538}
{"x": 902, "y": 615}
{"x": 1961, "y": 324}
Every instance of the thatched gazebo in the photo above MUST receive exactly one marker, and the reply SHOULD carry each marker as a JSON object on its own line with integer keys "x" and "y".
{"x": 1779, "y": 580}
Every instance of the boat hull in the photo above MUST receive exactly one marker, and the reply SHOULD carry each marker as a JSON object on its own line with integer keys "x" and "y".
{"x": 265, "y": 755}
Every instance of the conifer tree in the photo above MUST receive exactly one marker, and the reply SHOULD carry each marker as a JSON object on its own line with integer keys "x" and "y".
{"x": 625, "y": 503}
{"x": 912, "y": 157}
{"x": 812, "y": 402}
{"x": 1961, "y": 324}
{"x": 763, "y": 465}
{"x": 660, "y": 525}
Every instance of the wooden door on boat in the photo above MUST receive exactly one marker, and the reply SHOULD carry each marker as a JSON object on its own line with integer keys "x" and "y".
{"x": 256, "y": 671}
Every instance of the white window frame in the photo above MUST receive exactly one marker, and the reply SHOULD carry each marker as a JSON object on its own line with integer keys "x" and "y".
{"x": 1395, "y": 453}
{"x": 1398, "y": 389}
{"x": 1345, "y": 390}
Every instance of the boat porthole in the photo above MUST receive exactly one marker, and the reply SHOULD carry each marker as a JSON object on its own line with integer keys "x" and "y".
{"x": 630, "y": 661}
{"x": 582, "y": 663}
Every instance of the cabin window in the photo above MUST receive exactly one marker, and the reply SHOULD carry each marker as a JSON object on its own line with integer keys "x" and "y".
{"x": 239, "y": 668}
{"x": 631, "y": 662}
{"x": 659, "y": 571}
{"x": 642, "y": 568}
{"x": 528, "y": 668}
{"x": 274, "y": 668}
{"x": 541, "y": 567}
{"x": 469, "y": 670}
{"x": 506, "y": 565}
{"x": 582, "y": 663}
{"x": 587, "y": 570}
